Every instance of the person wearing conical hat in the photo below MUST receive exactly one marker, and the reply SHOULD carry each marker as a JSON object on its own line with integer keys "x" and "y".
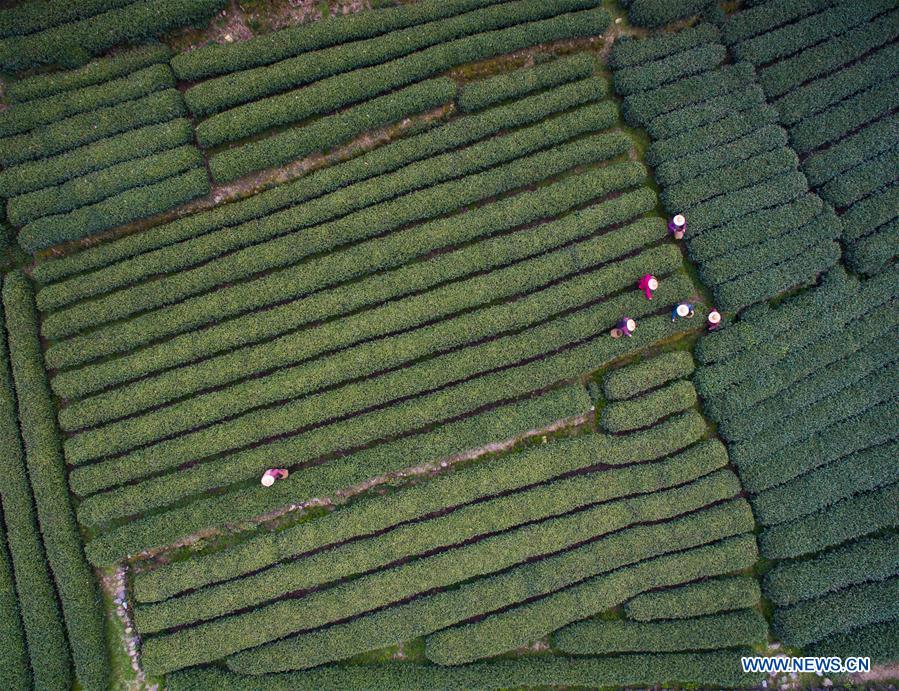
{"x": 684, "y": 310}
{"x": 648, "y": 284}
{"x": 677, "y": 227}
{"x": 272, "y": 474}
{"x": 627, "y": 326}
{"x": 714, "y": 320}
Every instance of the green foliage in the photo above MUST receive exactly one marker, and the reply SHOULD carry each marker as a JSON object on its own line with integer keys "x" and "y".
{"x": 95, "y": 72}
{"x": 510, "y": 629}
{"x": 706, "y": 113}
{"x": 874, "y": 174}
{"x": 859, "y": 605}
{"x": 44, "y": 631}
{"x": 376, "y": 220}
{"x": 701, "y": 168}
{"x": 869, "y": 214}
{"x": 687, "y": 194}
{"x": 14, "y": 669}
{"x": 766, "y": 16}
{"x": 640, "y": 109}
{"x": 711, "y": 669}
{"x": 630, "y": 52}
{"x": 335, "y": 92}
{"x": 596, "y": 637}
{"x": 43, "y": 111}
{"x": 212, "y": 640}
{"x": 703, "y": 597}
{"x": 104, "y": 183}
{"x": 494, "y": 253}
{"x": 467, "y": 484}
{"x": 759, "y": 227}
{"x": 423, "y": 311}
{"x": 785, "y": 75}
{"x": 488, "y": 92}
{"x": 709, "y": 136}
{"x": 843, "y": 118}
{"x": 73, "y": 43}
{"x": 78, "y": 130}
{"x": 31, "y": 176}
{"x": 850, "y": 518}
{"x": 874, "y": 252}
{"x": 32, "y": 17}
{"x": 220, "y": 94}
{"x": 213, "y": 59}
{"x": 331, "y": 130}
{"x": 647, "y": 409}
{"x": 880, "y": 642}
{"x": 295, "y": 413}
{"x": 823, "y": 166}
{"x": 652, "y": 75}
{"x": 635, "y": 379}
{"x": 384, "y": 159}
{"x": 118, "y": 209}
{"x": 656, "y": 13}
{"x": 449, "y": 530}
{"x": 872, "y": 558}
{"x": 359, "y": 430}
{"x": 793, "y": 36}
{"x": 75, "y": 583}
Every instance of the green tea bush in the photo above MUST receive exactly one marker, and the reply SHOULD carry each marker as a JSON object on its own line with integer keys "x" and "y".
{"x": 14, "y": 666}
{"x": 870, "y": 214}
{"x": 213, "y": 59}
{"x": 285, "y": 249}
{"x": 214, "y": 639}
{"x": 876, "y": 138}
{"x": 874, "y": 252}
{"x": 384, "y": 159}
{"x": 484, "y": 93}
{"x": 449, "y": 530}
{"x": 73, "y": 43}
{"x": 286, "y": 385}
{"x": 694, "y": 599}
{"x": 698, "y": 166}
{"x": 765, "y": 16}
{"x": 86, "y": 128}
{"x": 40, "y": 112}
{"x": 289, "y": 350}
{"x": 95, "y": 72}
{"x": 78, "y": 592}
{"x": 630, "y": 52}
{"x": 649, "y": 408}
{"x": 871, "y": 558}
{"x": 656, "y": 13}
{"x": 506, "y": 630}
{"x": 44, "y": 630}
{"x": 597, "y": 637}
{"x": 638, "y": 378}
{"x": 119, "y": 209}
{"x": 710, "y": 669}
{"x": 165, "y": 528}
{"x": 329, "y": 131}
{"x": 877, "y": 641}
{"x": 851, "y": 518}
{"x": 31, "y": 176}
{"x": 652, "y": 75}
{"x": 95, "y": 187}
{"x": 785, "y": 75}
{"x": 341, "y": 90}
{"x": 874, "y": 174}
{"x": 32, "y": 17}
{"x": 848, "y": 115}
{"x": 859, "y": 605}
{"x": 251, "y": 85}
{"x": 749, "y": 97}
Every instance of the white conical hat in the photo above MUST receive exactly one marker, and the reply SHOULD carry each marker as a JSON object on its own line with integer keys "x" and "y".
{"x": 267, "y": 480}
{"x": 679, "y": 220}
{"x": 714, "y": 316}
{"x": 683, "y": 309}
{"x": 631, "y": 325}
{"x": 653, "y": 284}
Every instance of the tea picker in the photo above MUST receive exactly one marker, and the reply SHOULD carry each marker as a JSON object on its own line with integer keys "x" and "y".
{"x": 677, "y": 227}
{"x": 648, "y": 284}
{"x": 626, "y": 327}
{"x": 714, "y": 320}
{"x": 272, "y": 474}
{"x": 684, "y": 310}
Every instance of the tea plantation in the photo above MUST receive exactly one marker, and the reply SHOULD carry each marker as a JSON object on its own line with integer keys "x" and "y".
{"x": 359, "y": 344}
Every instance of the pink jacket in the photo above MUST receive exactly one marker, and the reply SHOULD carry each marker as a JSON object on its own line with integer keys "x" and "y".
{"x": 644, "y": 285}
